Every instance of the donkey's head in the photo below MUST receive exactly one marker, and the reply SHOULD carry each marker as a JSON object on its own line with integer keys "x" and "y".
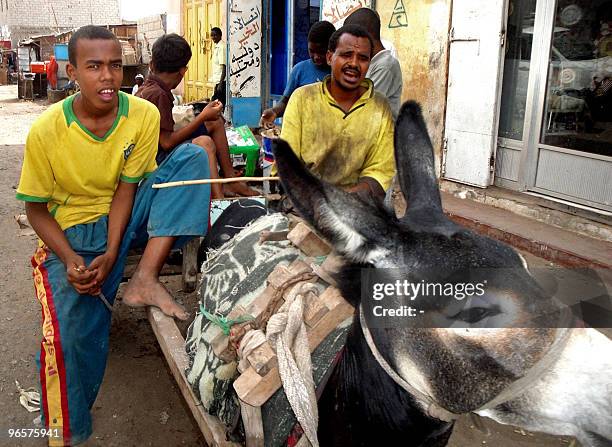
{"x": 462, "y": 369}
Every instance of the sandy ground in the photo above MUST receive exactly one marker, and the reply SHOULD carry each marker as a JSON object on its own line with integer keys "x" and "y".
{"x": 16, "y": 116}
{"x": 139, "y": 403}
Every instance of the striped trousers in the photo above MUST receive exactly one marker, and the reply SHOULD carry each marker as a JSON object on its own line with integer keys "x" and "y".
{"x": 75, "y": 328}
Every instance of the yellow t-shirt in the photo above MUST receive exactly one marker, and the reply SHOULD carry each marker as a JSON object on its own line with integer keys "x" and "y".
{"x": 341, "y": 147}
{"x": 75, "y": 172}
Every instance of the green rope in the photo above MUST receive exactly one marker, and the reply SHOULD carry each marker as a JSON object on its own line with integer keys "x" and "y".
{"x": 223, "y": 322}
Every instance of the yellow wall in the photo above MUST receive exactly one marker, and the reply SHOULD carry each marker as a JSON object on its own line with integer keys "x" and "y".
{"x": 422, "y": 51}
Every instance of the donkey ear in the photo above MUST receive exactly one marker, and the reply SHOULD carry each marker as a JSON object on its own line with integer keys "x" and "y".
{"x": 415, "y": 159}
{"x": 355, "y": 228}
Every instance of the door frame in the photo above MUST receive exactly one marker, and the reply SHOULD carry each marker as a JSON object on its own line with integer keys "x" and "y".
{"x": 536, "y": 92}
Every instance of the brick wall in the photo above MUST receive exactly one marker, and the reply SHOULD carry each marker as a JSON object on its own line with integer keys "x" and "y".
{"x": 43, "y": 14}
{"x": 149, "y": 30}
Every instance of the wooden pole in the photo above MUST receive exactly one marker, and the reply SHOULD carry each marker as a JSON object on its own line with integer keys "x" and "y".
{"x": 172, "y": 345}
{"x": 214, "y": 180}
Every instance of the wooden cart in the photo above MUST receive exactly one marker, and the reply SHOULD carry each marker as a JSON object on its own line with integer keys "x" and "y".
{"x": 172, "y": 344}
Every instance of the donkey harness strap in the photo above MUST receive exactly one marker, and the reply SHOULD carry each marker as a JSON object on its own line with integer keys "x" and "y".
{"x": 435, "y": 410}
{"x": 431, "y": 407}
{"x": 534, "y": 373}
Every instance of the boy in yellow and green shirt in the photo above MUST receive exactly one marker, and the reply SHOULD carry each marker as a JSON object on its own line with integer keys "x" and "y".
{"x": 68, "y": 177}
{"x": 87, "y": 176}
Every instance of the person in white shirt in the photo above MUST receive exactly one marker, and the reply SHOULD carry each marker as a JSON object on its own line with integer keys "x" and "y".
{"x": 139, "y": 79}
{"x": 218, "y": 65}
{"x": 385, "y": 71}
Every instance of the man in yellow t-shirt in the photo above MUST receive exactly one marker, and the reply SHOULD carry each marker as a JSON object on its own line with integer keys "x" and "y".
{"x": 340, "y": 128}
{"x": 87, "y": 176}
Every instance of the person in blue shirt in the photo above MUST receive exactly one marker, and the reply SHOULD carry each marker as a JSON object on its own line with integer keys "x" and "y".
{"x": 305, "y": 72}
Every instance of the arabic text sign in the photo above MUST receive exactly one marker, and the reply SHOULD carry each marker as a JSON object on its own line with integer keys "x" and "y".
{"x": 335, "y": 11}
{"x": 245, "y": 48}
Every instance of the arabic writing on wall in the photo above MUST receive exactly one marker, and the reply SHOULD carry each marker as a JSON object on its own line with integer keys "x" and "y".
{"x": 335, "y": 11}
{"x": 245, "y": 48}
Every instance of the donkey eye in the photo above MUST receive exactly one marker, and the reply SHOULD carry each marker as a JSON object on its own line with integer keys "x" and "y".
{"x": 475, "y": 314}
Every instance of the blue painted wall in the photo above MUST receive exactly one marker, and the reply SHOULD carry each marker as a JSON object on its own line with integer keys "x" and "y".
{"x": 246, "y": 111}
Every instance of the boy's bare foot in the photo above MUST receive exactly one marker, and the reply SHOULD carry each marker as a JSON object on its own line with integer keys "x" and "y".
{"x": 239, "y": 189}
{"x": 148, "y": 291}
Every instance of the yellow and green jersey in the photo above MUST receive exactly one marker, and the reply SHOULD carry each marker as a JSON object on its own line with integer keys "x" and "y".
{"x": 76, "y": 172}
{"x": 337, "y": 146}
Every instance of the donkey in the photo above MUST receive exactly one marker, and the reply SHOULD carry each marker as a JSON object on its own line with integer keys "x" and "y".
{"x": 406, "y": 385}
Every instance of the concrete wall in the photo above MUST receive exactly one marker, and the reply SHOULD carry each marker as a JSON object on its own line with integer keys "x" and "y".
{"x": 31, "y": 17}
{"x": 149, "y": 30}
{"x": 173, "y": 16}
{"x": 419, "y": 31}
{"x": 63, "y": 13}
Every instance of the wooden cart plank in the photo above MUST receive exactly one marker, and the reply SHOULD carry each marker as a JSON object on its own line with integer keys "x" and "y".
{"x": 172, "y": 344}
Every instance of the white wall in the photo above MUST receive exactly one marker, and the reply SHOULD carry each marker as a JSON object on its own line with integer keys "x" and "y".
{"x": 139, "y": 9}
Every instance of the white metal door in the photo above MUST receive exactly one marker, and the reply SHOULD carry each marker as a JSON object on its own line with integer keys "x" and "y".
{"x": 475, "y": 64}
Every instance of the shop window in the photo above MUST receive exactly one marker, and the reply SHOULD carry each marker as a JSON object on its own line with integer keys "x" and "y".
{"x": 517, "y": 64}
{"x": 578, "y": 105}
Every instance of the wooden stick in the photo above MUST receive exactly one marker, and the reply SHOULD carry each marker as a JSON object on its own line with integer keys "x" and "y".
{"x": 214, "y": 180}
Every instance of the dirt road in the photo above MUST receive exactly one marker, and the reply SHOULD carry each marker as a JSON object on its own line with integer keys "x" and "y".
{"x": 139, "y": 403}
